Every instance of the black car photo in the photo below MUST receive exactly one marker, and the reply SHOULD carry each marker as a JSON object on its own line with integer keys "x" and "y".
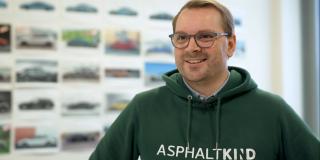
{"x": 41, "y": 103}
{"x": 37, "y": 74}
{"x": 81, "y": 106}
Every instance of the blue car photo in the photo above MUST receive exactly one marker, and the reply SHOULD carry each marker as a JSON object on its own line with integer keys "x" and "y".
{"x": 160, "y": 48}
{"x": 154, "y": 71}
{"x": 82, "y": 7}
{"x": 37, "y": 5}
{"x": 124, "y": 11}
{"x": 161, "y": 16}
{"x": 79, "y": 42}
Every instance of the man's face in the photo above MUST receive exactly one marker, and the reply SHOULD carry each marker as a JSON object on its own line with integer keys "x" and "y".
{"x": 202, "y": 64}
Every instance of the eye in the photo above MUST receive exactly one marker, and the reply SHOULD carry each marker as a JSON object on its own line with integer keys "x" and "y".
{"x": 181, "y": 37}
{"x": 205, "y": 36}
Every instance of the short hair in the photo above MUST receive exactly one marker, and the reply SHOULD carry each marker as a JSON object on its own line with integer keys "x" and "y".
{"x": 227, "y": 18}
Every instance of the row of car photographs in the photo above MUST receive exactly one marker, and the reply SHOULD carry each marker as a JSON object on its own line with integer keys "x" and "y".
{"x": 73, "y": 103}
{"x": 40, "y": 72}
{"x": 116, "y": 41}
{"x": 85, "y": 8}
{"x": 45, "y": 138}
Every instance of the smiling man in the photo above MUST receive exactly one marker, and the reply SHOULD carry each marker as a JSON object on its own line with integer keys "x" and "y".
{"x": 207, "y": 109}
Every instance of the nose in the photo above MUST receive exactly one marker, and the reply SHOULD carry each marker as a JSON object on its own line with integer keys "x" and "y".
{"x": 193, "y": 46}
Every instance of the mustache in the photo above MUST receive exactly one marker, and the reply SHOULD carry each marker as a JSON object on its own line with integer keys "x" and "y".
{"x": 200, "y": 55}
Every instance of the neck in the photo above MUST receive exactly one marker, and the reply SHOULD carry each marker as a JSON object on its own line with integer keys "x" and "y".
{"x": 209, "y": 86}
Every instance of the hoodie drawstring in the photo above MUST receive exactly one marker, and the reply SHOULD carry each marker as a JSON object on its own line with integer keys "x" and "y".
{"x": 217, "y": 121}
{"x": 189, "y": 120}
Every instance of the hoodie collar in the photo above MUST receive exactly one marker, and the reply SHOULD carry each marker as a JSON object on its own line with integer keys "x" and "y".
{"x": 202, "y": 97}
{"x": 239, "y": 82}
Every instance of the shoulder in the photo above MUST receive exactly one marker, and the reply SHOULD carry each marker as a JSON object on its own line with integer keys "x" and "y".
{"x": 267, "y": 97}
{"x": 151, "y": 95}
{"x": 271, "y": 107}
{"x": 151, "y": 100}
{"x": 148, "y": 97}
{"x": 265, "y": 103}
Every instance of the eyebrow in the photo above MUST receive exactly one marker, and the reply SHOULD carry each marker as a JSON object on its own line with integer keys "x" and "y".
{"x": 201, "y": 31}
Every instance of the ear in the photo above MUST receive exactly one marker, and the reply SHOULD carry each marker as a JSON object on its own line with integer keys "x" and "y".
{"x": 232, "y": 45}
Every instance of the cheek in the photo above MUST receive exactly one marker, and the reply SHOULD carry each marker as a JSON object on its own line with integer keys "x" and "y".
{"x": 178, "y": 56}
{"x": 220, "y": 51}
{"x": 216, "y": 57}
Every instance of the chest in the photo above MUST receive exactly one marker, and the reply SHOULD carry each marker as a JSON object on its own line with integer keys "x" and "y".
{"x": 246, "y": 136}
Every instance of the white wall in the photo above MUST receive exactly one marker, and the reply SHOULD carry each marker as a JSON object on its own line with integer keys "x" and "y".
{"x": 290, "y": 52}
{"x": 256, "y": 31}
{"x": 273, "y": 34}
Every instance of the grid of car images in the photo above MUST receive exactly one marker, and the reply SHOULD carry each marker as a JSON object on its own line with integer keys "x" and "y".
{"x": 68, "y": 68}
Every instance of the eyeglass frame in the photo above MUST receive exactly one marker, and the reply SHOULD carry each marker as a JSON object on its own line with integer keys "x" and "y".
{"x": 217, "y": 34}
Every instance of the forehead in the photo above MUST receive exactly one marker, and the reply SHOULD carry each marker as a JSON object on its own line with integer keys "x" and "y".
{"x": 199, "y": 19}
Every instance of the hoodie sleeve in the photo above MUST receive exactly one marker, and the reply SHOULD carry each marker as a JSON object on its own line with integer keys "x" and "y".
{"x": 298, "y": 143}
{"x": 120, "y": 141}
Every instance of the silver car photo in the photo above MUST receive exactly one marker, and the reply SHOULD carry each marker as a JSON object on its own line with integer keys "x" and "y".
{"x": 37, "y": 141}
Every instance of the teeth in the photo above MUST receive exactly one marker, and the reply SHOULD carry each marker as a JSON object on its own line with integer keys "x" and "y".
{"x": 195, "y": 61}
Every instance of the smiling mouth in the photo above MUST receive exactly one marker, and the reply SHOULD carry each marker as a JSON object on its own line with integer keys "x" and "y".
{"x": 195, "y": 61}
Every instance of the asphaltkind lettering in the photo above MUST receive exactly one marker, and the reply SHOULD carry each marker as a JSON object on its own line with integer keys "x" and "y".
{"x": 183, "y": 152}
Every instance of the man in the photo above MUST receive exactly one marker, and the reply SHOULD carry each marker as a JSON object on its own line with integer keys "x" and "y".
{"x": 207, "y": 110}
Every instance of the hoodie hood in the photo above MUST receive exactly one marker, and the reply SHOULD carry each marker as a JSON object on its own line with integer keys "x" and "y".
{"x": 239, "y": 83}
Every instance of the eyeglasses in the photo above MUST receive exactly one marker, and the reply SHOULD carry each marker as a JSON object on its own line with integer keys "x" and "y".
{"x": 203, "y": 39}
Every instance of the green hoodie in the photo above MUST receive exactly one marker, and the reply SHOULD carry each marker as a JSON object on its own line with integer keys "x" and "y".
{"x": 240, "y": 122}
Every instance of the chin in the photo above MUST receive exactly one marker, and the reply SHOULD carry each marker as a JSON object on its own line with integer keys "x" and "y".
{"x": 193, "y": 77}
